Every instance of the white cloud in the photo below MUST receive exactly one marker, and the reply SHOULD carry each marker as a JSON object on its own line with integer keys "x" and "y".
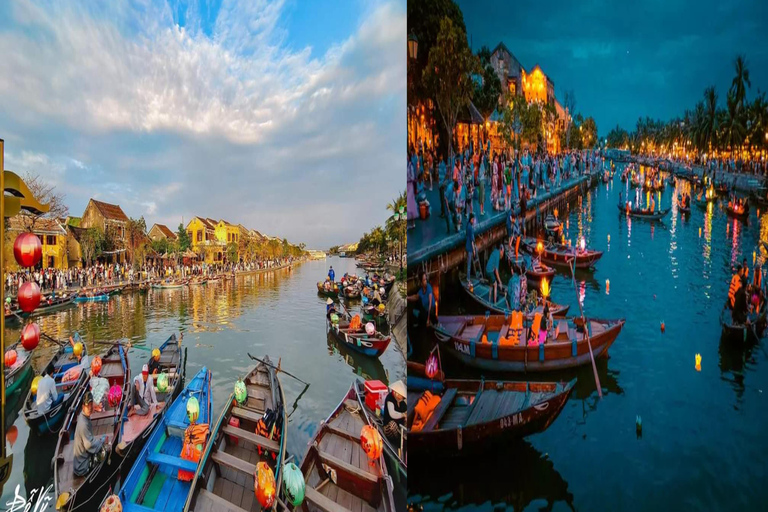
{"x": 172, "y": 123}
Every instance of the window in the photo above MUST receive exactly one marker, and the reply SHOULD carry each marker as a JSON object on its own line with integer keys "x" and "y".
{"x": 229, "y": 237}
{"x": 199, "y": 236}
{"x": 51, "y": 261}
{"x": 41, "y": 238}
{"x": 50, "y": 240}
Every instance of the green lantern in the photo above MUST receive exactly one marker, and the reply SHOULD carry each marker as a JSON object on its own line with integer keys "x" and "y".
{"x": 241, "y": 394}
{"x": 293, "y": 484}
{"x": 162, "y": 382}
{"x": 193, "y": 409}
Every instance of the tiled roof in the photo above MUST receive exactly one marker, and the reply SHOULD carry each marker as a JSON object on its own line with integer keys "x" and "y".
{"x": 167, "y": 232}
{"x": 110, "y": 211}
{"x": 40, "y": 225}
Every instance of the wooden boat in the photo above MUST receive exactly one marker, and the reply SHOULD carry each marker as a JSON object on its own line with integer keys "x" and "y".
{"x": 477, "y": 415}
{"x": 552, "y": 226}
{"x": 224, "y": 478}
{"x": 333, "y": 293}
{"x": 743, "y": 215}
{"x": 153, "y": 481}
{"x": 462, "y": 337}
{"x": 198, "y": 281}
{"x": 606, "y": 178}
{"x": 79, "y": 491}
{"x": 481, "y": 293}
{"x": 644, "y": 214}
{"x": 101, "y": 297}
{"x": 759, "y": 199}
{"x": 15, "y": 375}
{"x": 358, "y": 340}
{"x": 335, "y": 451}
{"x": 397, "y": 454}
{"x": 559, "y": 255}
{"x": 722, "y": 189}
{"x": 47, "y": 305}
{"x": 51, "y": 420}
{"x": 542, "y": 272}
{"x": 137, "y": 428}
{"x": 751, "y": 332}
{"x": 418, "y": 380}
{"x": 174, "y": 285}
{"x": 352, "y": 292}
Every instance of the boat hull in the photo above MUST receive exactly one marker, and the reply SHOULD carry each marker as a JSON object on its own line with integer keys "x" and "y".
{"x": 362, "y": 344}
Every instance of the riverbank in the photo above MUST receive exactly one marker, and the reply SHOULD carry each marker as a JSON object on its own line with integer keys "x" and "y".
{"x": 741, "y": 182}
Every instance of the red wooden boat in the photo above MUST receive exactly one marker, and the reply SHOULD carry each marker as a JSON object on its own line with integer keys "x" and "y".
{"x": 566, "y": 347}
{"x": 359, "y": 340}
{"x": 337, "y": 472}
{"x": 533, "y": 274}
{"x": 475, "y": 415}
{"x": 559, "y": 255}
{"x": 480, "y": 292}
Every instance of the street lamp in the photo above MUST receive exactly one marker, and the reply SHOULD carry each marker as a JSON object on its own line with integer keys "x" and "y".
{"x": 413, "y": 46}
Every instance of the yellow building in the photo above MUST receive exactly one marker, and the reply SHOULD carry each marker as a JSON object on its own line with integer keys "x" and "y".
{"x": 226, "y": 232}
{"x": 51, "y": 233}
{"x": 202, "y": 234}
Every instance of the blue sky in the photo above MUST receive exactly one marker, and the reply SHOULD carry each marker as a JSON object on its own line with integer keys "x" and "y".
{"x": 624, "y": 60}
{"x": 285, "y": 116}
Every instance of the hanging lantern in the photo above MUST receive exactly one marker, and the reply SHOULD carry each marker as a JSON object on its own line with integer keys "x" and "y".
{"x": 431, "y": 366}
{"x": 264, "y": 485}
{"x": 112, "y": 504}
{"x": 29, "y": 296}
{"x": 293, "y": 484}
{"x": 371, "y": 442}
{"x": 27, "y": 250}
{"x": 30, "y": 336}
{"x": 10, "y": 358}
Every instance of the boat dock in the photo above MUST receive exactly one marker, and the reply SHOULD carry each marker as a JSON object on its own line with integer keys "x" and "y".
{"x": 430, "y": 246}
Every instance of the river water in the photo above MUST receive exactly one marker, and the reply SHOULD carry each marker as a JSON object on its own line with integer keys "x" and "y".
{"x": 277, "y": 313}
{"x": 703, "y": 444}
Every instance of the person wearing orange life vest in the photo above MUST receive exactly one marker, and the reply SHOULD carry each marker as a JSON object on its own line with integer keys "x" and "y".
{"x": 736, "y": 284}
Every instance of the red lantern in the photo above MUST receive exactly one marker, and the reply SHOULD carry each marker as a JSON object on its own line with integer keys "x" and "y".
{"x": 12, "y": 435}
{"x": 10, "y": 358}
{"x": 96, "y": 365}
{"x": 30, "y": 336}
{"x": 264, "y": 485}
{"x": 431, "y": 367}
{"x": 370, "y": 441}
{"x": 27, "y": 249}
{"x": 29, "y": 296}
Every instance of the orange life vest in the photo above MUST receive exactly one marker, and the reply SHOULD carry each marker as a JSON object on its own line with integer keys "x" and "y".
{"x": 424, "y": 409}
{"x": 355, "y": 323}
{"x": 515, "y": 328}
{"x": 735, "y": 285}
{"x": 192, "y": 449}
{"x": 758, "y": 278}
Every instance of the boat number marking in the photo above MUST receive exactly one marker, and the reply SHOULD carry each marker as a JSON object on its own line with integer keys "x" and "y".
{"x": 511, "y": 421}
{"x": 464, "y": 349}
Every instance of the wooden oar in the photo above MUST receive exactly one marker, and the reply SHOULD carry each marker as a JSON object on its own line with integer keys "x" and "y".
{"x": 129, "y": 346}
{"x": 278, "y": 369}
{"x": 586, "y": 332}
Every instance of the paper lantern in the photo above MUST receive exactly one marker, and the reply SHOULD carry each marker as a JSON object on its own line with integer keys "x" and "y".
{"x": 431, "y": 366}
{"x": 30, "y": 336}
{"x": 370, "y": 329}
{"x": 371, "y": 442}
{"x": 10, "y": 358}
{"x": 607, "y": 286}
{"x": 77, "y": 350}
{"x": 264, "y": 485}
{"x": 544, "y": 288}
{"x": 27, "y": 249}
{"x": 114, "y": 395}
{"x": 162, "y": 382}
{"x": 241, "y": 393}
{"x": 96, "y": 365}
{"x": 193, "y": 409}
{"x": 29, "y": 296}
{"x": 35, "y": 383}
{"x": 112, "y": 504}
{"x": 12, "y": 435}
{"x": 698, "y": 362}
{"x": 293, "y": 484}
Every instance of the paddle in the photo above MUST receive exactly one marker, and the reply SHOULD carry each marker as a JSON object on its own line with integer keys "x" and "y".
{"x": 278, "y": 369}
{"x": 129, "y": 345}
{"x": 586, "y": 332}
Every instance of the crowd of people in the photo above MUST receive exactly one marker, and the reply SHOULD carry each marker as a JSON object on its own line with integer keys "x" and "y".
{"x": 507, "y": 177}
{"x": 51, "y": 279}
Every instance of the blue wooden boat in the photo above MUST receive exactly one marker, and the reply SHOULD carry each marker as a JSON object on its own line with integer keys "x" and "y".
{"x": 152, "y": 483}
{"x": 51, "y": 420}
{"x": 102, "y": 297}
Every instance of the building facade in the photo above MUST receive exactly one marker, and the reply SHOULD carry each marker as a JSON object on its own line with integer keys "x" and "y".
{"x": 162, "y": 232}
{"x": 52, "y": 235}
{"x": 107, "y": 217}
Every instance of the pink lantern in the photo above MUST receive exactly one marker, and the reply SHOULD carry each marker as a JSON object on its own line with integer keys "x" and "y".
{"x": 431, "y": 367}
{"x": 114, "y": 395}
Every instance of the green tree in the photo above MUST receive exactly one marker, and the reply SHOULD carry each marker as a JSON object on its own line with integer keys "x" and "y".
{"x": 448, "y": 74}
{"x": 740, "y": 82}
{"x": 709, "y": 123}
{"x": 511, "y": 124}
{"x": 487, "y": 92}
{"x": 160, "y": 246}
{"x": 183, "y": 238}
{"x": 92, "y": 244}
{"x": 589, "y": 132}
{"x": 232, "y": 252}
{"x": 135, "y": 237}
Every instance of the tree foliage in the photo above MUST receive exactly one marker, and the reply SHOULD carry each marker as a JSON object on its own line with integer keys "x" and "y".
{"x": 487, "y": 91}
{"x": 92, "y": 244}
{"x": 183, "y": 239}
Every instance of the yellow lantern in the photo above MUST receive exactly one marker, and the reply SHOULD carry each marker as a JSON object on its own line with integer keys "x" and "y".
{"x": 607, "y": 286}
{"x": 544, "y": 288}
{"x": 698, "y": 362}
{"x": 539, "y": 247}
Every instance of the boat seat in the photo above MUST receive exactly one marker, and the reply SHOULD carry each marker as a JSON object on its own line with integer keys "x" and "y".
{"x": 245, "y": 414}
{"x": 252, "y": 438}
{"x": 562, "y": 331}
{"x": 440, "y": 410}
{"x": 332, "y": 429}
{"x": 230, "y": 461}
{"x": 346, "y": 467}
{"x": 322, "y": 502}
{"x": 173, "y": 461}
{"x": 109, "y": 413}
{"x": 217, "y": 501}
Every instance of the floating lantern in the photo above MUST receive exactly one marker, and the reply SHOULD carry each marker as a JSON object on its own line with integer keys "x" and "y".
{"x": 699, "y": 231}
{"x": 544, "y": 288}
{"x": 30, "y": 337}
{"x": 663, "y": 328}
{"x": 583, "y": 243}
{"x": 29, "y": 296}
{"x": 371, "y": 442}
{"x": 431, "y": 366}
{"x": 698, "y": 362}
{"x": 540, "y": 247}
{"x": 27, "y": 250}
{"x": 264, "y": 485}
{"x": 609, "y": 238}
{"x": 607, "y": 286}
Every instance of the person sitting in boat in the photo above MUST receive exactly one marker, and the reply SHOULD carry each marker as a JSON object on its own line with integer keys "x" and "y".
{"x": 513, "y": 291}
{"x": 88, "y": 450}
{"x": 47, "y": 395}
{"x": 142, "y": 393}
{"x": 425, "y": 301}
{"x": 331, "y": 274}
{"x": 154, "y": 362}
{"x": 492, "y": 271}
{"x": 395, "y": 410}
{"x": 740, "y": 306}
{"x": 376, "y": 299}
{"x": 736, "y": 284}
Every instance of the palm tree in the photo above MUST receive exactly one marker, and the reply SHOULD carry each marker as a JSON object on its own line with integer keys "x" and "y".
{"x": 709, "y": 123}
{"x": 739, "y": 81}
{"x": 734, "y": 129}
